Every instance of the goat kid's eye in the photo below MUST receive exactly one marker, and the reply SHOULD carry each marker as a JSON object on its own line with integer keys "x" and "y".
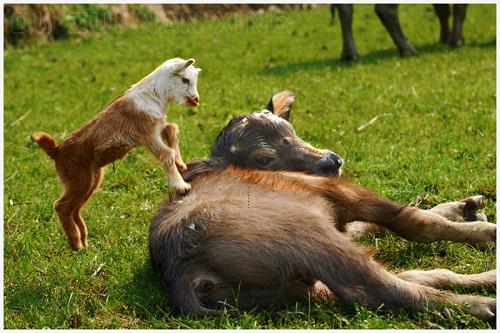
{"x": 185, "y": 81}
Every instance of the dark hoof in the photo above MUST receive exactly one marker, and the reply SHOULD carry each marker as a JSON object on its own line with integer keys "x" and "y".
{"x": 444, "y": 40}
{"x": 456, "y": 42}
{"x": 470, "y": 206}
{"x": 349, "y": 57}
{"x": 408, "y": 52}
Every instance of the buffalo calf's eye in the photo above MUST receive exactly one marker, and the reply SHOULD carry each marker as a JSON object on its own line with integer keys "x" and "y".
{"x": 263, "y": 161}
{"x": 185, "y": 80}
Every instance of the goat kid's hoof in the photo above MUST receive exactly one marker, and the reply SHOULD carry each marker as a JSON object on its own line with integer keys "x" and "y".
{"x": 181, "y": 188}
{"x": 77, "y": 245}
{"x": 181, "y": 166}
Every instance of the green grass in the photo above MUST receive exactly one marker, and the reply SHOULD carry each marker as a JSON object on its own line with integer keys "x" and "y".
{"x": 434, "y": 140}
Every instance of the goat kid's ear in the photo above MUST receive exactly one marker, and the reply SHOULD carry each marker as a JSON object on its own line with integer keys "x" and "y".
{"x": 183, "y": 65}
{"x": 194, "y": 168}
{"x": 281, "y": 104}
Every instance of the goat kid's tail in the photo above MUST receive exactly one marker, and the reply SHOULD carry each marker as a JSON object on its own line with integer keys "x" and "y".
{"x": 47, "y": 143}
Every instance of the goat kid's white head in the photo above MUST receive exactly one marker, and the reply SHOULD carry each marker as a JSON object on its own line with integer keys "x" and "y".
{"x": 182, "y": 80}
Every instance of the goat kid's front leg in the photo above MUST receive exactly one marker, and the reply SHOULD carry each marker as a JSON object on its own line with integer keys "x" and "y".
{"x": 167, "y": 156}
{"x": 170, "y": 133}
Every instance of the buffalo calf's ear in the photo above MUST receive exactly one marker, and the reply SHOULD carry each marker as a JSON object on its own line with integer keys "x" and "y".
{"x": 281, "y": 104}
{"x": 197, "y": 167}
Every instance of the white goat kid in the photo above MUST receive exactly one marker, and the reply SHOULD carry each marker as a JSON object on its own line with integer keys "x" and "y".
{"x": 138, "y": 117}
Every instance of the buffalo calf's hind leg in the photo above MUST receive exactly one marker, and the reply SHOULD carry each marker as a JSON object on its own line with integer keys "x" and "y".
{"x": 364, "y": 281}
{"x": 445, "y": 279}
{"x": 327, "y": 256}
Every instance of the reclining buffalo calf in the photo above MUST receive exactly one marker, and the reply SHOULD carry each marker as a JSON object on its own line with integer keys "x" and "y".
{"x": 251, "y": 237}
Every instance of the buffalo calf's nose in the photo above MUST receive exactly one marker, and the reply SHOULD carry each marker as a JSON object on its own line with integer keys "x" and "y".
{"x": 335, "y": 159}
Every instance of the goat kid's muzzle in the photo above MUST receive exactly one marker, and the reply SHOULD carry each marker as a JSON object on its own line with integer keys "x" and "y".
{"x": 193, "y": 100}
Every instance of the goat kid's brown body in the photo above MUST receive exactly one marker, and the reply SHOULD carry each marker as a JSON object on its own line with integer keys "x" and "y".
{"x": 80, "y": 158}
{"x": 258, "y": 238}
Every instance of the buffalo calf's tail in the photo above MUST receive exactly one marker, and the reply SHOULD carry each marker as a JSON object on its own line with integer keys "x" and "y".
{"x": 46, "y": 142}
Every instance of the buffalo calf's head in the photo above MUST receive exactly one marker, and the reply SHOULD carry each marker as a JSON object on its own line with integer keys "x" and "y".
{"x": 266, "y": 140}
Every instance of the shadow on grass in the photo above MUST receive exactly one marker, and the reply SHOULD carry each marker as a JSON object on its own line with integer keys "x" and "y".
{"x": 145, "y": 296}
{"x": 366, "y": 59}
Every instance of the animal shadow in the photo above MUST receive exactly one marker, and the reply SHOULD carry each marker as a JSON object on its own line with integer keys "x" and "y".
{"x": 375, "y": 57}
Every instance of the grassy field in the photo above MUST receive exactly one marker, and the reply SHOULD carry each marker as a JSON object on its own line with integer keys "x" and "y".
{"x": 433, "y": 141}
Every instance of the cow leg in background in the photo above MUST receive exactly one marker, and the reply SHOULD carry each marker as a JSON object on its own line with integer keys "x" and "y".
{"x": 388, "y": 14}
{"x": 443, "y": 13}
{"x": 456, "y": 38}
{"x": 349, "y": 51}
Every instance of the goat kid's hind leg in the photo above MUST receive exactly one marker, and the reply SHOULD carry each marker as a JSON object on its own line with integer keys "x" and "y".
{"x": 69, "y": 205}
{"x": 446, "y": 279}
{"x": 96, "y": 182}
{"x": 170, "y": 134}
{"x": 65, "y": 213}
{"x": 166, "y": 156}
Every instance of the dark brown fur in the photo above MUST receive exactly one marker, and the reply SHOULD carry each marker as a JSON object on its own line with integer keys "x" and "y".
{"x": 254, "y": 238}
{"x": 250, "y": 238}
